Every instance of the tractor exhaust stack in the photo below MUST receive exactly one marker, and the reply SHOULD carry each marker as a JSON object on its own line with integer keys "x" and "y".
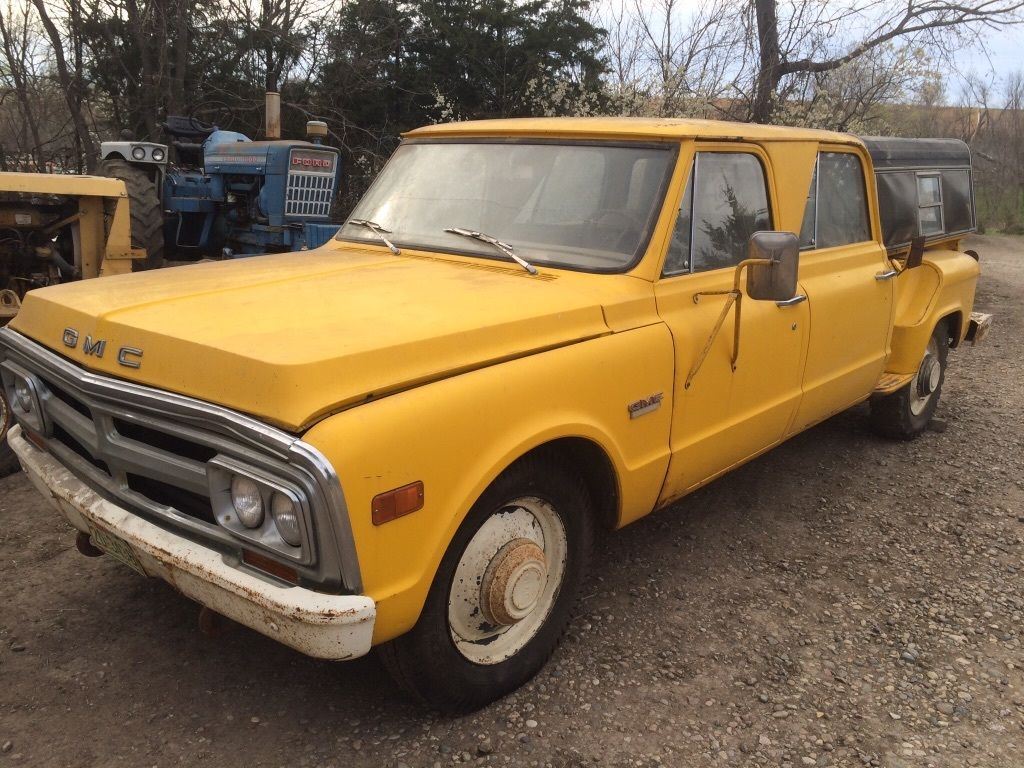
{"x": 273, "y": 115}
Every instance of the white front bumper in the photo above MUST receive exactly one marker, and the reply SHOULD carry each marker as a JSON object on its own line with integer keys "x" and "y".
{"x": 319, "y": 625}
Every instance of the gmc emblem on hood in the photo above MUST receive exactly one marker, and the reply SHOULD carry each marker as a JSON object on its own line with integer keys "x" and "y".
{"x": 129, "y": 357}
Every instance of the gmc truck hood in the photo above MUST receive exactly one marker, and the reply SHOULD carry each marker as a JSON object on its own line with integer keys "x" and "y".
{"x": 291, "y": 337}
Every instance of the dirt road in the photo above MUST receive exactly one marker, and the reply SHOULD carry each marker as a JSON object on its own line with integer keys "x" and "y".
{"x": 841, "y": 601}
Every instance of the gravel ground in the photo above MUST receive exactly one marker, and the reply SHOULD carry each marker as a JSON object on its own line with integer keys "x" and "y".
{"x": 841, "y": 601}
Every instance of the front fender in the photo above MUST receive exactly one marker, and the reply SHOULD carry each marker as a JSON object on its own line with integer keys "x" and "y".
{"x": 457, "y": 435}
{"x": 941, "y": 288}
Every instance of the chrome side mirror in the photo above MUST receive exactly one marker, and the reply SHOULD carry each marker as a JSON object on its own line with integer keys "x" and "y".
{"x": 772, "y": 262}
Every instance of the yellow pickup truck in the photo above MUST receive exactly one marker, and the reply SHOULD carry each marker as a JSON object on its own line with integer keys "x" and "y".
{"x": 528, "y": 330}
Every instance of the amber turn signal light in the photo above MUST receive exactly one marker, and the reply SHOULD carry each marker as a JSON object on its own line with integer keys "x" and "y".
{"x": 268, "y": 565}
{"x": 400, "y": 501}
{"x": 33, "y": 438}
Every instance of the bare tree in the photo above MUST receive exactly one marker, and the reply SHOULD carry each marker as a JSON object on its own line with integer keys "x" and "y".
{"x": 990, "y": 117}
{"x": 71, "y": 86}
{"x": 670, "y": 58}
{"x": 814, "y": 39}
{"x": 16, "y": 56}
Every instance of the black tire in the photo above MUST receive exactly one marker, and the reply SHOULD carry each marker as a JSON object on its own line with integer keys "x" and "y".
{"x": 8, "y": 460}
{"x": 894, "y": 415}
{"x": 147, "y": 214}
{"x": 426, "y": 662}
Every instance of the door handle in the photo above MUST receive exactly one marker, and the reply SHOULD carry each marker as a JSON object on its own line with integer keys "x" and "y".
{"x": 798, "y": 299}
{"x": 887, "y": 275}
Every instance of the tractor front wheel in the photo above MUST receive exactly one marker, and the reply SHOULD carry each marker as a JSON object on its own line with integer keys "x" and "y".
{"x": 146, "y": 211}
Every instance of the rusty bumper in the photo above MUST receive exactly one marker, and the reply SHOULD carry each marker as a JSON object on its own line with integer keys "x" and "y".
{"x": 320, "y": 625}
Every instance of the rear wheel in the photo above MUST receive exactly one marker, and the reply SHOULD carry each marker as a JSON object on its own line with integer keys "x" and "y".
{"x": 503, "y": 594}
{"x": 905, "y": 414}
{"x": 147, "y": 216}
{"x": 8, "y": 460}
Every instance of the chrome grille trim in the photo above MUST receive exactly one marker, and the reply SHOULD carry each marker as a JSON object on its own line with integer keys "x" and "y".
{"x": 219, "y": 429}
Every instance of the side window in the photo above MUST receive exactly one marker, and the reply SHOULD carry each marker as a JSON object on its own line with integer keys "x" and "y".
{"x": 929, "y": 204}
{"x": 677, "y": 261}
{"x": 726, "y": 201}
{"x": 837, "y": 206}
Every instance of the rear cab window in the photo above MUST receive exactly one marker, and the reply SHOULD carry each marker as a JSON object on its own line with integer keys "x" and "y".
{"x": 836, "y": 212}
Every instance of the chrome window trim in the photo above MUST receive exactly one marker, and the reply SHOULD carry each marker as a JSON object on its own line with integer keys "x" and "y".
{"x": 189, "y": 415}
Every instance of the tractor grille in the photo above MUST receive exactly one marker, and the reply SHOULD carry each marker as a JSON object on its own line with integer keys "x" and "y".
{"x": 309, "y": 194}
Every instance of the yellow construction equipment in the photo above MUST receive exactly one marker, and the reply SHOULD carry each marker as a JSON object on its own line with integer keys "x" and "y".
{"x": 55, "y": 229}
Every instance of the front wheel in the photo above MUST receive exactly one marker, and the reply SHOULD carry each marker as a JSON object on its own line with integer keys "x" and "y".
{"x": 905, "y": 413}
{"x": 8, "y": 460}
{"x": 503, "y": 594}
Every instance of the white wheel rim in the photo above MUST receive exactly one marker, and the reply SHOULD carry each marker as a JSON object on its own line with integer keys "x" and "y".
{"x": 926, "y": 380}
{"x": 5, "y": 418}
{"x": 507, "y": 581}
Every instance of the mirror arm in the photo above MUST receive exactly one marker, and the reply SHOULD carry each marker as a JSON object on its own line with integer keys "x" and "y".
{"x": 748, "y": 263}
{"x": 735, "y": 298}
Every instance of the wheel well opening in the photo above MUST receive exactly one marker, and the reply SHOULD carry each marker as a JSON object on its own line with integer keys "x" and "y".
{"x": 954, "y": 328}
{"x": 589, "y": 461}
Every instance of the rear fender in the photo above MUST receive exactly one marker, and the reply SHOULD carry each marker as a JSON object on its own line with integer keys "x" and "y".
{"x": 940, "y": 290}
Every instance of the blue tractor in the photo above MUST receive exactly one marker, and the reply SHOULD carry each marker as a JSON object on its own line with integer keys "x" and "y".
{"x": 225, "y": 194}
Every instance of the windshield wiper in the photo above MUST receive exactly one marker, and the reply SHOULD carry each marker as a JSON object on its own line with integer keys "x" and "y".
{"x": 379, "y": 231}
{"x": 505, "y": 248}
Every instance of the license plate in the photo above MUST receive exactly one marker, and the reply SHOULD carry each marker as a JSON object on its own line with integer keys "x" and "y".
{"x": 116, "y": 548}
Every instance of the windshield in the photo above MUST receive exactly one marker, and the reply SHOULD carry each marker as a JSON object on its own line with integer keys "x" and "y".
{"x": 582, "y": 206}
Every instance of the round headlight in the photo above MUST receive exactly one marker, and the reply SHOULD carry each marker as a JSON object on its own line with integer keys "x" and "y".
{"x": 286, "y": 518}
{"x": 247, "y": 501}
{"x": 23, "y": 395}
{"x": 138, "y": 153}
{"x": 158, "y": 154}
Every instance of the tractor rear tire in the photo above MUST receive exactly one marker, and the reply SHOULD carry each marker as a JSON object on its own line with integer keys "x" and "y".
{"x": 146, "y": 211}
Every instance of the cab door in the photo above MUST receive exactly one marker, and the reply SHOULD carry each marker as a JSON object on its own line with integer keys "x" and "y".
{"x": 725, "y": 416}
{"x": 847, "y": 277}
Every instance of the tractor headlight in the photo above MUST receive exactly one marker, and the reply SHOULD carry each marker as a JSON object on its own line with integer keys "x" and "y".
{"x": 138, "y": 153}
{"x": 159, "y": 154}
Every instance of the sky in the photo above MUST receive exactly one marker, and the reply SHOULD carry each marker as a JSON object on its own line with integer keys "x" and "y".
{"x": 1006, "y": 53}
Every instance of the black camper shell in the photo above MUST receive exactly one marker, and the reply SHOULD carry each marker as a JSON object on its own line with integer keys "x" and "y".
{"x": 925, "y": 188}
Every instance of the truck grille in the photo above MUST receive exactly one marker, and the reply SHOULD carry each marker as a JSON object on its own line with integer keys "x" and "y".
{"x": 155, "y": 467}
{"x": 309, "y": 194}
{"x": 148, "y": 450}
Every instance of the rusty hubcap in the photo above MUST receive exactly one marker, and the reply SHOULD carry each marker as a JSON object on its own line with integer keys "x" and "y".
{"x": 513, "y": 582}
{"x": 927, "y": 379}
